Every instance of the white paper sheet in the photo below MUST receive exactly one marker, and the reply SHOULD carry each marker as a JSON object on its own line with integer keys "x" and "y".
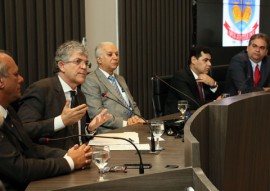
{"x": 118, "y": 144}
{"x": 132, "y": 136}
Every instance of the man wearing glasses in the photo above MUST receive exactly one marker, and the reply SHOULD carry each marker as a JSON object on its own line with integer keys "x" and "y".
{"x": 249, "y": 71}
{"x": 55, "y": 107}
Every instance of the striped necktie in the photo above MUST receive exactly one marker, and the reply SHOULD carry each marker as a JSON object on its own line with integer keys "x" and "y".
{"x": 113, "y": 82}
{"x": 200, "y": 88}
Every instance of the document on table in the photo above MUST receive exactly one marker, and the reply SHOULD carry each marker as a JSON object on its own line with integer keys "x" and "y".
{"x": 119, "y": 144}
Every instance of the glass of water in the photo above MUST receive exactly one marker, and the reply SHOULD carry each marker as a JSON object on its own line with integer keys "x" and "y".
{"x": 101, "y": 156}
{"x": 182, "y": 107}
{"x": 158, "y": 129}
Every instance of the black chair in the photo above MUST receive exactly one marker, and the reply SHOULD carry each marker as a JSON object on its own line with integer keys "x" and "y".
{"x": 219, "y": 73}
{"x": 159, "y": 93}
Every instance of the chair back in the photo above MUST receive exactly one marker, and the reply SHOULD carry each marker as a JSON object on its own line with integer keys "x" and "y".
{"x": 159, "y": 93}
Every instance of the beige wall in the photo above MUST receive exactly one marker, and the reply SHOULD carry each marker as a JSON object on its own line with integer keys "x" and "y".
{"x": 101, "y": 24}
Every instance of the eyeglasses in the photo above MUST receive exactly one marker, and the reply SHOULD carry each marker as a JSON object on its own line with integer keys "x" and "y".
{"x": 115, "y": 169}
{"x": 80, "y": 62}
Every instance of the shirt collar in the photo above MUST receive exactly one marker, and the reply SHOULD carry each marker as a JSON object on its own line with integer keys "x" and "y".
{"x": 254, "y": 64}
{"x": 65, "y": 86}
{"x": 106, "y": 73}
{"x": 194, "y": 74}
{"x": 3, "y": 111}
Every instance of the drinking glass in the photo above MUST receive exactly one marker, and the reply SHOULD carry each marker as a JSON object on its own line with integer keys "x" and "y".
{"x": 158, "y": 130}
{"x": 101, "y": 156}
{"x": 182, "y": 107}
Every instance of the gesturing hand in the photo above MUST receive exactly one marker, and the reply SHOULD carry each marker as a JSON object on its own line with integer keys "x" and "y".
{"x": 99, "y": 120}
{"x": 72, "y": 115}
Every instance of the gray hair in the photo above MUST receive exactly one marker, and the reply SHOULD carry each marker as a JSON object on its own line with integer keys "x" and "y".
{"x": 3, "y": 65}
{"x": 99, "y": 47}
{"x": 65, "y": 51}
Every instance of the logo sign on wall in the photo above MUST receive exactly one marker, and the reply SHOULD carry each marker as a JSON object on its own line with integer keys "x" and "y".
{"x": 240, "y": 21}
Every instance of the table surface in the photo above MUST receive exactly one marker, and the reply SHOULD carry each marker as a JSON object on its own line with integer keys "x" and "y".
{"x": 172, "y": 155}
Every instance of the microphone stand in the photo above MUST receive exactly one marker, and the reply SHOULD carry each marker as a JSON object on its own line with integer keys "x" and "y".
{"x": 141, "y": 167}
{"x": 153, "y": 146}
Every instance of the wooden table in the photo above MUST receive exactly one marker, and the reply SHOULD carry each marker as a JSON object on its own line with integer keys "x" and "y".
{"x": 172, "y": 155}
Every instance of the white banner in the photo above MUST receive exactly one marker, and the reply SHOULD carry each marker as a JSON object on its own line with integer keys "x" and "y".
{"x": 240, "y": 21}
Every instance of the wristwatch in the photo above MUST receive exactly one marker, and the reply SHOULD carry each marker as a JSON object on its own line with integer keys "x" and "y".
{"x": 215, "y": 85}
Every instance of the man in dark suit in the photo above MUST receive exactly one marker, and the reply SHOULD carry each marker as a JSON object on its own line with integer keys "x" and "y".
{"x": 249, "y": 71}
{"x": 104, "y": 80}
{"x": 45, "y": 105}
{"x": 22, "y": 160}
{"x": 193, "y": 81}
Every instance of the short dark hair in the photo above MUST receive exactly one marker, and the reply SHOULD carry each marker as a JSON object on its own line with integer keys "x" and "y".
{"x": 263, "y": 36}
{"x": 197, "y": 52}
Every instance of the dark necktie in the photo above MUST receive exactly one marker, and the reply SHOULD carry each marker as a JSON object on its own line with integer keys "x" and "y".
{"x": 74, "y": 99}
{"x": 113, "y": 82}
{"x": 257, "y": 76}
{"x": 74, "y": 103}
{"x": 200, "y": 88}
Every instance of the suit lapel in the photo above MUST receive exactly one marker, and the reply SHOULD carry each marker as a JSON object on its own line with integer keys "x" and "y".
{"x": 193, "y": 83}
{"x": 59, "y": 94}
{"x": 107, "y": 84}
{"x": 124, "y": 86}
{"x": 264, "y": 71}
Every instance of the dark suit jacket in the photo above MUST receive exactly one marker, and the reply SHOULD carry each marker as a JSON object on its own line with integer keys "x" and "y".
{"x": 240, "y": 75}
{"x": 23, "y": 161}
{"x": 96, "y": 83}
{"x": 185, "y": 82}
{"x": 41, "y": 103}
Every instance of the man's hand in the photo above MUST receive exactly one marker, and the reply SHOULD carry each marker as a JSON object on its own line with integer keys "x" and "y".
{"x": 267, "y": 89}
{"x": 81, "y": 155}
{"x": 99, "y": 120}
{"x": 134, "y": 120}
{"x": 206, "y": 79}
{"x": 72, "y": 115}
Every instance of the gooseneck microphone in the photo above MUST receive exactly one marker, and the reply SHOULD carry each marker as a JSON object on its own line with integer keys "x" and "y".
{"x": 153, "y": 147}
{"x": 180, "y": 92}
{"x": 141, "y": 166}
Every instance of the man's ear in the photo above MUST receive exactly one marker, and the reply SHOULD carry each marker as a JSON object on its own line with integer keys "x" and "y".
{"x": 60, "y": 65}
{"x": 98, "y": 60}
{"x": 193, "y": 59}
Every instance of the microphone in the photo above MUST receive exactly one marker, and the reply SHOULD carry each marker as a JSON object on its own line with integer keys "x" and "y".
{"x": 153, "y": 147}
{"x": 46, "y": 140}
{"x": 180, "y": 92}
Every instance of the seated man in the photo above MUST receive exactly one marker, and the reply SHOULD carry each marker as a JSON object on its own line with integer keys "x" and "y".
{"x": 249, "y": 71}
{"x": 193, "y": 82}
{"x": 46, "y": 109}
{"x": 22, "y": 160}
{"x": 104, "y": 80}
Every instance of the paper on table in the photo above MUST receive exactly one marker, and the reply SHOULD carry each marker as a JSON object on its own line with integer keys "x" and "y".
{"x": 141, "y": 147}
{"x": 133, "y": 136}
{"x": 118, "y": 144}
{"x": 160, "y": 138}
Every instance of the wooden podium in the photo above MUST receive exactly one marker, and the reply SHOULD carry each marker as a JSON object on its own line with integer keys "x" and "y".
{"x": 228, "y": 140}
